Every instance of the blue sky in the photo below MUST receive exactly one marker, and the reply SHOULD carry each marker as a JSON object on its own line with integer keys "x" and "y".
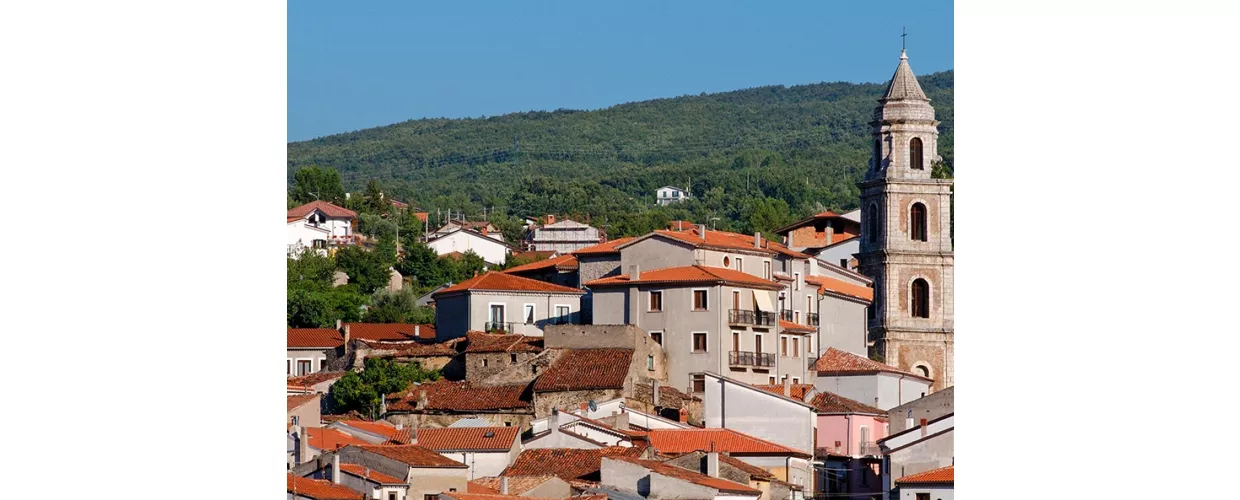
{"x": 355, "y": 65}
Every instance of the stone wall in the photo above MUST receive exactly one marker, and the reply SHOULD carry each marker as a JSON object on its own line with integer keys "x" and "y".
{"x": 482, "y": 366}
{"x": 570, "y": 400}
{"x": 808, "y": 237}
{"x": 594, "y": 267}
{"x": 437, "y": 420}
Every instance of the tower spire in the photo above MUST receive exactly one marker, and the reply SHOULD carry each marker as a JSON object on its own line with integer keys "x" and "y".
{"x": 903, "y": 37}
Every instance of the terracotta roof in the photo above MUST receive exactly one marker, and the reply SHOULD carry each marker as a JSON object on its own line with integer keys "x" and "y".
{"x": 943, "y": 475}
{"x": 583, "y": 369}
{"x": 486, "y": 496}
{"x": 500, "y": 282}
{"x": 567, "y": 463}
{"x": 322, "y": 206}
{"x": 402, "y": 436}
{"x": 320, "y": 489}
{"x": 412, "y": 349}
{"x": 516, "y": 484}
{"x": 604, "y": 248}
{"x": 791, "y": 327}
{"x": 479, "y": 486}
{"x": 678, "y": 441}
{"x": 835, "y": 361}
{"x": 390, "y": 331}
{"x": 314, "y": 378}
{"x": 560, "y": 263}
{"x": 721, "y": 240}
{"x": 827, "y": 215}
{"x": 460, "y": 396}
{"x": 603, "y": 426}
{"x": 371, "y": 474}
{"x": 533, "y": 254}
{"x": 421, "y": 215}
{"x": 798, "y": 390}
{"x": 314, "y": 337}
{"x": 490, "y": 342}
{"x": 669, "y": 397}
{"x": 722, "y": 485}
{"x": 689, "y": 275}
{"x": 324, "y": 438}
{"x": 413, "y": 455}
{"x": 826, "y": 402}
{"x": 468, "y": 438}
{"x": 756, "y": 472}
{"x": 300, "y": 399}
{"x": 379, "y": 427}
{"x": 826, "y": 284}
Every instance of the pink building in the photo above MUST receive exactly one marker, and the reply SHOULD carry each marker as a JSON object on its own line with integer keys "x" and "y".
{"x": 845, "y": 439}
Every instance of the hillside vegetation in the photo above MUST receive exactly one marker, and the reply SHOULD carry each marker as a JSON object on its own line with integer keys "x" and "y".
{"x": 757, "y": 158}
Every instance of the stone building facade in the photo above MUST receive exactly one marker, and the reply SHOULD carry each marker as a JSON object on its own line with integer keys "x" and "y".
{"x": 906, "y": 244}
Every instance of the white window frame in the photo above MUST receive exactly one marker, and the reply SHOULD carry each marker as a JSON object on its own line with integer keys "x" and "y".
{"x": 766, "y": 269}
{"x": 796, "y": 281}
{"x": 757, "y": 343}
{"x": 491, "y": 305}
{"x": 705, "y": 335}
{"x": 564, "y": 317}
{"x": 297, "y": 361}
{"x": 660, "y": 332}
{"x": 524, "y": 317}
{"x": 740, "y": 264}
{"x": 694, "y": 291}
{"x": 649, "y": 295}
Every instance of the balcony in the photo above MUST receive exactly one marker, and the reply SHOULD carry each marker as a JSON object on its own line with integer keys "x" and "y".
{"x": 812, "y": 318}
{"x": 785, "y": 314}
{"x": 509, "y": 327}
{"x": 764, "y": 360}
{"x": 870, "y": 448}
{"x": 746, "y": 317}
{"x": 740, "y": 358}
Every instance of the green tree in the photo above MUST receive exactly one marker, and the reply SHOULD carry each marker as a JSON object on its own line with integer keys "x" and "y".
{"x": 766, "y": 215}
{"x": 375, "y": 201}
{"x": 398, "y": 307}
{"x": 313, "y": 183}
{"x": 309, "y": 308}
{"x": 379, "y": 377}
{"x": 422, "y": 264}
{"x": 368, "y": 270}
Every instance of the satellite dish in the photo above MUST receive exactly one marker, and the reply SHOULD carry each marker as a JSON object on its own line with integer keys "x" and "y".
{"x": 592, "y": 406}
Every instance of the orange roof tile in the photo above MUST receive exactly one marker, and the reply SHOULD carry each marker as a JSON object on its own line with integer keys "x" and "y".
{"x": 300, "y": 399}
{"x": 565, "y": 262}
{"x": 826, "y": 402}
{"x": 754, "y": 471}
{"x": 826, "y": 284}
{"x": 834, "y": 361}
{"x": 516, "y": 484}
{"x": 460, "y": 396}
{"x": 371, "y": 474}
{"x": 605, "y": 247}
{"x": 413, "y": 456}
{"x": 391, "y": 331}
{"x": 798, "y": 390}
{"x": 323, "y": 438}
{"x": 722, "y": 485}
{"x": 487, "y": 496}
{"x": 314, "y": 378}
{"x": 677, "y": 441}
{"x": 319, "y": 489}
{"x": 412, "y": 349}
{"x": 421, "y": 215}
{"x": 379, "y": 427}
{"x": 944, "y": 475}
{"x": 839, "y": 236}
{"x": 402, "y": 436}
{"x": 479, "y": 486}
{"x": 583, "y": 369}
{"x": 689, "y": 275}
{"x": 497, "y": 281}
{"x": 532, "y": 254}
{"x": 491, "y": 342}
{"x": 327, "y": 208}
{"x": 314, "y": 337}
{"x": 791, "y": 327}
{"x": 468, "y": 438}
{"x": 567, "y": 463}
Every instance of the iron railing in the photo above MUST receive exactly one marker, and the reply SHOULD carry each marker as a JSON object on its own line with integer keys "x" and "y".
{"x": 785, "y": 314}
{"x": 497, "y": 327}
{"x": 870, "y": 448}
{"x": 812, "y": 318}
{"x": 747, "y": 317}
{"x": 764, "y": 359}
{"x": 740, "y": 358}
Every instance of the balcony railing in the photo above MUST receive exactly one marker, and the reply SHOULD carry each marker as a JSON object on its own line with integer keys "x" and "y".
{"x": 812, "y": 318}
{"x": 747, "y": 317}
{"x": 495, "y": 327}
{"x": 764, "y": 359}
{"x": 785, "y": 314}
{"x": 870, "y": 448}
{"x": 740, "y": 358}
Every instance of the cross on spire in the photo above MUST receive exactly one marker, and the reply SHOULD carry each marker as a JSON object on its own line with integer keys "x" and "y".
{"x": 903, "y": 37}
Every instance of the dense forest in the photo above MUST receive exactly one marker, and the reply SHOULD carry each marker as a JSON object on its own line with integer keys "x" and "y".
{"x": 756, "y": 158}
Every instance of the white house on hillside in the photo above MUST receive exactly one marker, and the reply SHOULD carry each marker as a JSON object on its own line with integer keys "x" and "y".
{"x": 492, "y": 250}
{"x": 671, "y": 194}
{"x": 319, "y": 225}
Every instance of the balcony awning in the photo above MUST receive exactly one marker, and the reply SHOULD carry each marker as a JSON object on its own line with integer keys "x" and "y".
{"x": 762, "y": 301}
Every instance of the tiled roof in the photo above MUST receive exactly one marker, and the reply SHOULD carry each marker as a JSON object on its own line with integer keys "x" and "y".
{"x": 379, "y": 427}
{"x": 325, "y": 438}
{"x": 560, "y": 263}
{"x": 300, "y": 399}
{"x": 402, "y": 436}
{"x": 390, "y": 331}
{"x": 827, "y": 215}
{"x": 314, "y": 378}
{"x": 604, "y": 248}
{"x": 468, "y": 438}
{"x": 583, "y": 369}
{"x": 460, "y": 396}
{"x": 479, "y": 486}
{"x": 798, "y": 390}
{"x": 826, "y": 284}
{"x": 722, "y": 485}
{"x": 567, "y": 463}
{"x": 678, "y": 441}
{"x": 944, "y": 475}
{"x": 323, "y": 206}
{"x": 487, "y": 496}
{"x": 756, "y": 472}
{"x": 413, "y": 455}
{"x": 791, "y": 327}
{"x": 480, "y": 342}
{"x": 421, "y": 215}
{"x": 412, "y": 349}
{"x": 835, "y": 361}
{"x": 721, "y": 240}
{"x": 669, "y": 397}
{"x": 319, "y": 489}
{"x": 371, "y": 474}
{"x": 532, "y": 254}
{"x": 689, "y": 275}
{"x": 500, "y": 282}
{"x": 516, "y": 484}
{"x": 314, "y": 337}
{"x": 826, "y": 402}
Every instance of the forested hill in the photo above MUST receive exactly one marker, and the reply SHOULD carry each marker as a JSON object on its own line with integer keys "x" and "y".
{"x": 746, "y": 151}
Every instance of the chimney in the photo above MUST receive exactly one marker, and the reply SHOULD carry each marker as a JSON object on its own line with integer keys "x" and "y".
{"x": 417, "y": 331}
{"x": 654, "y": 391}
{"x": 400, "y": 426}
{"x": 503, "y": 485}
{"x": 787, "y": 386}
{"x": 338, "y": 324}
{"x": 757, "y": 239}
{"x": 550, "y": 219}
{"x": 346, "y": 336}
{"x": 830, "y": 234}
{"x": 553, "y": 422}
{"x": 682, "y": 415}
{"x": 712, "y": 464}
{"x": 622, "y": 421}
{"x": 908, "y": 421}
{"x": 702, "y": 231}
{"x": 301, "y": 442}
{"x": 484, "y": 230}
{"x": 336, "y": 468}
{"x": 583, "y": 407}
{"x": 923, "y": 427}
{"x": 635, "y": 272}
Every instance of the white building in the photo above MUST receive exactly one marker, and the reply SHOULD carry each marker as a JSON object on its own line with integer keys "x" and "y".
{"x": 862, "y": 379}
{"x": 492, "y": 250}
{"x": 486, "y": 450}
{"x": 732, "y": 404}
{"x": 319, "y": 225}
{"x": 671, "y": 194}
{"x": 934, "y": 484}
{"x": 562, "y": 236}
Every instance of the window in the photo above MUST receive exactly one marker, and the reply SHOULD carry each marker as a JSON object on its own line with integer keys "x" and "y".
{"x": 783, "y": 346}
{"x": 796, "y": 317}
{"x": 736, "y": 299}
{"x": 809, "y": 304}
{"x": 699, "y": 300}
{"x": 726, "y": 261}
{"x": 657, "y": 337}
{"x": 921, "y": 298}
{"x": 304, "y": 367}
{"x": 922, "y": 370}
{"x": 650, "y": 363}
{"x": 796, "y": 281}
{"x": 923, "y": 496}
{"x": 796, "y": 380}
{"x": 740, "y": 264}
{"x": 783, "y": 265}
{"x": 757, "y": 343}
{"x": 391, "y": 495}
{"x": 878, "y": 153}
{"x": 699, "y": 382}
{"x": 513, "y": 358}
{"x": 497, "y": 315}
{"x": 562, "y": 315}
{"x": 771, "y": 380}
{"x": 844, "y": 263}
{"x": 736, "y": 341}
{"x": 529, "y": 314}
{"x": 699, "y": 342}
{"x": 322, "y": 364}
{"x": 871, "y": 223}
{"x": 320, "y": 244}
{"x": 484, "y": 362}
{"x": 796, "y": 347}
{"x": 917, "y": 222}
{"x": 766, "y": 269}
{"x": 914, "y": 154}
{"x": 656, "y": 301}
{"x": 288, "y": 366}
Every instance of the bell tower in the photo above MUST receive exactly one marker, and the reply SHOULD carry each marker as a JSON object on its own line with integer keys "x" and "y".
{"x": 906, "y": 244}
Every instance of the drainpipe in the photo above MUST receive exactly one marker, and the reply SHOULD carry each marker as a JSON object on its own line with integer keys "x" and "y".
{"x": 848, "y": 422}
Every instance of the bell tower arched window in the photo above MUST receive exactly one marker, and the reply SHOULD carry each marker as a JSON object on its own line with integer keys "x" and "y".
{"x": 921, "y": 298}
{"x": 917, "y": 222}
{"x": 871, "y": 223}
{"x": 914, "y": 154}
